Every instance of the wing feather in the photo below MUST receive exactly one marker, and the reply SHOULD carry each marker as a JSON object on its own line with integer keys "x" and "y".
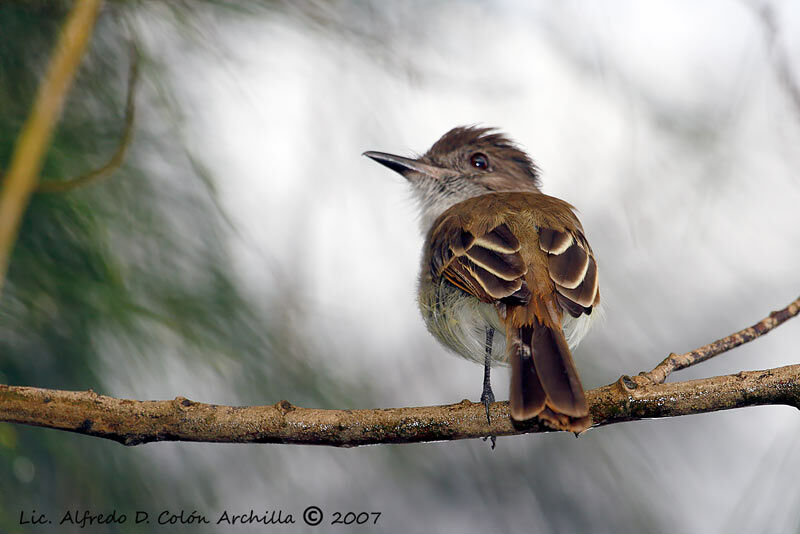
{"x": 488, "y": 263}
{"x": 572, "y": 268}
{"x": 488, "y": 266}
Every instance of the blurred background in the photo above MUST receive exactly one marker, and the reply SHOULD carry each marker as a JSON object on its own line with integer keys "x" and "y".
{"x": 246, "y": 253}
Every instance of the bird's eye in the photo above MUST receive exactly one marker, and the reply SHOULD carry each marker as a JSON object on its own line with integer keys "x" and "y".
{"x": 479, "y": 161}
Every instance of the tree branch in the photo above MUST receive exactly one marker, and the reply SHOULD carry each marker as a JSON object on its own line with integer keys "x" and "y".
{"x": 133, "y": 422}
{"x": 118, "y": 156}
{"x": 676, "y": 362}
{"x": 26, "y": 160}
{"x": 628, "y": 399}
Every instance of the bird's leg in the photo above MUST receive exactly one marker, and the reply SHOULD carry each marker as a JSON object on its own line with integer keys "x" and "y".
{"x": 487, "y": 397}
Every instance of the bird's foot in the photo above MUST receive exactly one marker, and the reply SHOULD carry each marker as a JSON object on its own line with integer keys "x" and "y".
{"x": 487, "y": 397}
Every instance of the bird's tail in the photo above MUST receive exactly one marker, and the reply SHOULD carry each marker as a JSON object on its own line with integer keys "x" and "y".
{"x": 544, "y": 381}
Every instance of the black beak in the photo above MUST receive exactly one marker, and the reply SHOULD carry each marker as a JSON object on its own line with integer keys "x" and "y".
{"x": 406, "y": 166}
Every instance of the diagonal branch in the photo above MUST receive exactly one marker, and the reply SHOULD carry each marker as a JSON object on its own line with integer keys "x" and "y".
{"x": 676, "y": 362}
{"x": 118, "y": 157}
{"x": 26, "y": 160}
{"x": 133, "y": 422}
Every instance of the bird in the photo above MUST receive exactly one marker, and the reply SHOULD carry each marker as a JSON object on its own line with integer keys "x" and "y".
{"x": 507, "y": 275}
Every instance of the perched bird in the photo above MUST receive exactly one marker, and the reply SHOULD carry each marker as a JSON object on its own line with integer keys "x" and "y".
{"x": 507, "y": 274}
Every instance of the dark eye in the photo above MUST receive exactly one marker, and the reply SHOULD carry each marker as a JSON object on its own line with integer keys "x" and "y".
{"x": 479, "y": 161}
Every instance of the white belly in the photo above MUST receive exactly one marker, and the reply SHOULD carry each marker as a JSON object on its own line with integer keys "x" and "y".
{"x": 460, "y": 321}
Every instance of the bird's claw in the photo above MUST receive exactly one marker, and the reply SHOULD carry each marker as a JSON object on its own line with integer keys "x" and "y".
{"x": 487, "y": 398}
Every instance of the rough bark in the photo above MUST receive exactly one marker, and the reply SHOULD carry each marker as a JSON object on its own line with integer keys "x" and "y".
{"x": 133, "y": 422}
{"x": 644, "y": 396}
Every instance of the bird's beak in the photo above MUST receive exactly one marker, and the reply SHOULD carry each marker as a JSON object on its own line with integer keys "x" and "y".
{"x": 407, "y": 166}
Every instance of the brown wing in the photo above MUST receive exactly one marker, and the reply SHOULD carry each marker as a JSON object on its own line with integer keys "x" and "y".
{"x": 572, "y": 268}
{"x": 488, "y": 266}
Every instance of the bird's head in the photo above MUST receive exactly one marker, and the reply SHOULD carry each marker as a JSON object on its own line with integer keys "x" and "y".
{"x": 464, "y": 163}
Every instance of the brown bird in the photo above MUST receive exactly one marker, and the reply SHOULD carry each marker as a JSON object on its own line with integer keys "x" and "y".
{"x": 501, "y": 256}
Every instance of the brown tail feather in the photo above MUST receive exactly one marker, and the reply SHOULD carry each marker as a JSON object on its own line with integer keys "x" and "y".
{"x": 544, "y": 381}
{"x": 527, "y": 398}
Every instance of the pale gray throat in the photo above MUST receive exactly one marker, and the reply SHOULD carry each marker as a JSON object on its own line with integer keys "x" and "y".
{"x": 435, "y": 197}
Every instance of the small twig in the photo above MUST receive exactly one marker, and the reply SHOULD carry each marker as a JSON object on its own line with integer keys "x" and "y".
{"x": 676, "y": 362}
{"x": 26, "y": 160}
{"x": 119, "y": 155}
